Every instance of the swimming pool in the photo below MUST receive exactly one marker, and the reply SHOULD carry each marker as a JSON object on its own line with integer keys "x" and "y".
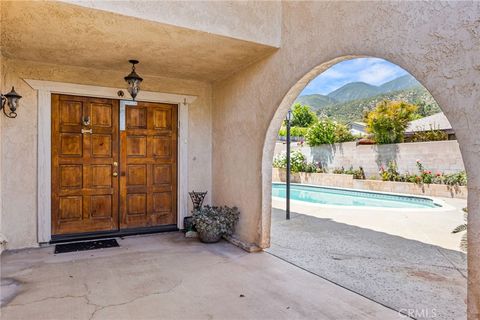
{"x": 351, "y": 197}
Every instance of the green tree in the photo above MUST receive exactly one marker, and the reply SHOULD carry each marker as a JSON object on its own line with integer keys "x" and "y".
{"x": 322, "y": 132}
{"x": 342, "y": 134}
{"x": 425, "y": 109}
{"x": 302, "y": 116}
{"x": 388, "y": 121}
{"x": 294, "y": 132}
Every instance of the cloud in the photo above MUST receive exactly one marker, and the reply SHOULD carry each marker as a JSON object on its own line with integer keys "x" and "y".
{"x": 379, "y": 73}
{"x": 373, "y": 71}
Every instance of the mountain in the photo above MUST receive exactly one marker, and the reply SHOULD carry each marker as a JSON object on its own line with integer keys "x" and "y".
{"x": 316, "y": 101}
{"x": 347, "y": 103}
{"x": 354, "y": 91}
{"x": 347, "y": 112}
{"x": 404, "y": 82}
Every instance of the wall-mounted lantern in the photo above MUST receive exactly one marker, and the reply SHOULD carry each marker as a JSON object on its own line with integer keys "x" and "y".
{"x": 11, "y": 100}
{"x": 133, "y": 80}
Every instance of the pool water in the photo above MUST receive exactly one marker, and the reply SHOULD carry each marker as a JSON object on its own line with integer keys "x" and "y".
{"x": 350, "y": 197}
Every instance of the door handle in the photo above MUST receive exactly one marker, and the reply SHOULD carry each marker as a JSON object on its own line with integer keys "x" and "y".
{"x": 86, "y": 131}
{"x": 115, "y": 174}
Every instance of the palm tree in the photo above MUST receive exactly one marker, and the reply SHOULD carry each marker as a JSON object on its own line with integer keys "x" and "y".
{"x": 461, "y": 228}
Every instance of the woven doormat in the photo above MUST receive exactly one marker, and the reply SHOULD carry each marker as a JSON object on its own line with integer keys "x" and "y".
{"x": 85, "y": 245}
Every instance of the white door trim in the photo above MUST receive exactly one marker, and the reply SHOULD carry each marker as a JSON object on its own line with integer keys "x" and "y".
{"x": 44, "y": 148}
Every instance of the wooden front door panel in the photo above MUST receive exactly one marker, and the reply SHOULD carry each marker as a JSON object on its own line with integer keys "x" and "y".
{"x": 84, "y": 188}
{"x": 148, "y": 180}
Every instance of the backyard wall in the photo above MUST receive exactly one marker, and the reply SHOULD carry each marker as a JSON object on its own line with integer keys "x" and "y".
{"x": 443, "y": 156}
{"x": 347, "y": 181}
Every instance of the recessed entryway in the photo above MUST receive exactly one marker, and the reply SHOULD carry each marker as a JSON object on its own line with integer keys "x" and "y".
{"x": 112, "y": 175}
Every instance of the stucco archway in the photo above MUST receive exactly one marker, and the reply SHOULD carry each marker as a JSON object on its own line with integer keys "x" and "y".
{"x": 272, "y": 134}
{"x": 444, "y": 59}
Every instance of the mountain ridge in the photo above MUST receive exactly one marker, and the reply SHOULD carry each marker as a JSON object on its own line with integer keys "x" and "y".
{"x": 349, "y": 101}
{"x": 358, "y": 90}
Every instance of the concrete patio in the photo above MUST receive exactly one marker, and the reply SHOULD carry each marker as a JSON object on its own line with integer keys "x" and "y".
{"x": 167, "y": 276}
{"x": 408, "y": 261}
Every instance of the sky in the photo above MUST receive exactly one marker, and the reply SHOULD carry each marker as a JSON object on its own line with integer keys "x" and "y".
{"x": 369, "y": 70}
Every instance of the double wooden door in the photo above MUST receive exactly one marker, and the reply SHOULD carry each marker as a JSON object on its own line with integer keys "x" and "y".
{"x": 107, "y": 176}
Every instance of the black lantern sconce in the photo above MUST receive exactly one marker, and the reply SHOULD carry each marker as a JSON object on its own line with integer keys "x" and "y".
{"x": 11, "y": 100}
{"x": 133, "y": 80}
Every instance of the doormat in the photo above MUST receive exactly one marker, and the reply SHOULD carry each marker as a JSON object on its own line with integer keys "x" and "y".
{"x": 85, "y": 245}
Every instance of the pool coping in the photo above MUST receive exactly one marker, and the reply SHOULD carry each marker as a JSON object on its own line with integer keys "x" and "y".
{"x": 443, "y": 206}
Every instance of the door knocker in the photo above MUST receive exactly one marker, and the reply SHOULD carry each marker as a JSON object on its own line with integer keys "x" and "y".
{"x": 86, "y": 121}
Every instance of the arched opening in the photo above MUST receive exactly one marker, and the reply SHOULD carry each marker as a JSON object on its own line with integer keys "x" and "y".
{"x": 406, "y": 272}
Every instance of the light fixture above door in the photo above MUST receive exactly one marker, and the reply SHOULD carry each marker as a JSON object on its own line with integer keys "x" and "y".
{"x": 133, "y": 80}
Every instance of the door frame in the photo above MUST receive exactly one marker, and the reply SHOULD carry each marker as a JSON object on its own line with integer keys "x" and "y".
{"x": 44, "y": 145}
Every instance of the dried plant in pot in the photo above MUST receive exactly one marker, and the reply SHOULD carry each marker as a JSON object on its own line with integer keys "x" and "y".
{"x": 212, "y": 223}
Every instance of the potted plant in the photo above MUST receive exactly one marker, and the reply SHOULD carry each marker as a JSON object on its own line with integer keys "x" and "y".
{"x": 212, "y": 223}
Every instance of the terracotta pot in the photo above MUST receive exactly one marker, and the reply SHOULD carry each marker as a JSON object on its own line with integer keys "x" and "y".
{"x": 209, "y": 237}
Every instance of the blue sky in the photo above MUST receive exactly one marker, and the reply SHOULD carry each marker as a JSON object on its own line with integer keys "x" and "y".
{"x": 369, "y": 70}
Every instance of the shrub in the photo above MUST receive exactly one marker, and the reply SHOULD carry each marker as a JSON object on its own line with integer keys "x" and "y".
{"x": 391, "y": 173}
{"x": 294, "y": 132}
{"x": 388, "y": 121}
{"x": 298, "y": 163}
{"x": 455, "y": 179}
{"x": 357, "y": 173}
{"x": 302, "y": 116}
{"x": 217, "y": 220}
{"x": 342, "y": 134}
{"x": 429, "y": 135}
{"x": 280, "y": 161}
{"x": 424, "y": 176}
{"x": 322, "y": 132}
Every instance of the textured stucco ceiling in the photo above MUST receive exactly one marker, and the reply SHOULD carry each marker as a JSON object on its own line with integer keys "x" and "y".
{"x": 61, "y": 33}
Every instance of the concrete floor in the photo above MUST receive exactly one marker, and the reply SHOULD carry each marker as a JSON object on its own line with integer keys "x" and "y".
{"x": 166, "y": 276}
{"x": 407, "y": 261}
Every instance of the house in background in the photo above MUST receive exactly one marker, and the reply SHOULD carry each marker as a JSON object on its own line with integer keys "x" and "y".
{"x": 437, "y": 121}
{"x": 358, "y": 128}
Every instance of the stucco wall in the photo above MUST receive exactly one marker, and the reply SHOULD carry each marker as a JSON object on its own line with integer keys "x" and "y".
{"x": 257, "y": 21}
{"x": 437, "y": 42}
{"x": 438, "y": 156}
{"x": 19, "y": 138}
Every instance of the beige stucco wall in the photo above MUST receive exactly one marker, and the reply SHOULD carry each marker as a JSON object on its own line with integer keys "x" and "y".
{"x": 437, "y": 42}
{"x": 19, "y": 138}
{"x": 256, "y": 21}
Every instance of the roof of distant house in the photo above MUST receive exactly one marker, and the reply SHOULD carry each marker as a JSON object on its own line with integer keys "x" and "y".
{"x": 437, "y": 121}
